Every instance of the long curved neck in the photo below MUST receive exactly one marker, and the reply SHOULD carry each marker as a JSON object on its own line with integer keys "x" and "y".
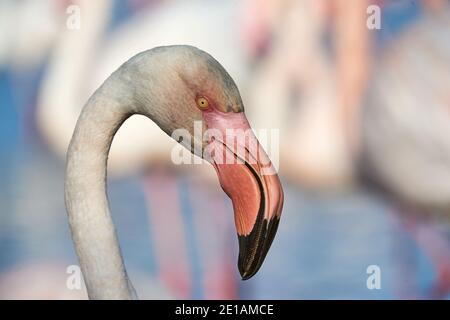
{"x": 90, "y": 220}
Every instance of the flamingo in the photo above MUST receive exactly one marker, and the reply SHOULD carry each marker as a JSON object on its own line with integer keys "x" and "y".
{"x": 405, "y": 129}
{"x": 173, "y": 86}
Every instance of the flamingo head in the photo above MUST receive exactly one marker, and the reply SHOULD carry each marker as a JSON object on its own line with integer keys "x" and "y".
{"x": 198, "y": 90}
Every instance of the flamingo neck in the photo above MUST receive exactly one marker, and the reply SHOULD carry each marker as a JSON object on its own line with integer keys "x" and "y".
{"x": 90, "y": 220}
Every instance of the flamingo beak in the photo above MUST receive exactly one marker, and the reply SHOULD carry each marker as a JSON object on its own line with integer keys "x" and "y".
{"x": 248, "y": 177}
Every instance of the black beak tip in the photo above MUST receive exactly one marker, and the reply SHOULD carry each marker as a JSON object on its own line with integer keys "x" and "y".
{"x": 246, "y": 273}
{"x": 253, "y": 248}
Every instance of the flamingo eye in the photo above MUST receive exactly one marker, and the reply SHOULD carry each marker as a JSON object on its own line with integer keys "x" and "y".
{"x": 202, "y": 103}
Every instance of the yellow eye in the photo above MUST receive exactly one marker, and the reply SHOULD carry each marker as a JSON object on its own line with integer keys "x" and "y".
{"x": 202, "y": 103}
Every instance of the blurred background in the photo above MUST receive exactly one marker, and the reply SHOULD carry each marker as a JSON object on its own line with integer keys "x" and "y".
{"x": 360, "y": 93}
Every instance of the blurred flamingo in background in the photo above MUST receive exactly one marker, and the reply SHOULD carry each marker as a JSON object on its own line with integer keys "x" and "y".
{"x": 174, "y": 86}
{"x": 308, "y": 91}
{"x": 19, "y": 19}
{"x": 405, "y": 135}
{"x": 325, "y": 92}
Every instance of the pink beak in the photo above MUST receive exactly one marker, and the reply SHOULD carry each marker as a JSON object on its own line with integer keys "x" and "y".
{"x": 248, "y": 177}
